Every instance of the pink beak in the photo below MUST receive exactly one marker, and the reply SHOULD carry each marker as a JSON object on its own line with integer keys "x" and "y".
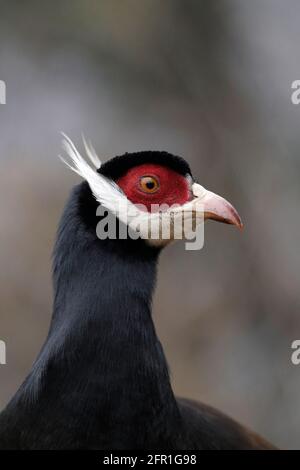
{"x": 216, "y": 207}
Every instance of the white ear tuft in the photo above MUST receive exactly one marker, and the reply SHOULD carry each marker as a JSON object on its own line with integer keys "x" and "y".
{"x": 91, "y": 153}
{"x": 106, "y": 191}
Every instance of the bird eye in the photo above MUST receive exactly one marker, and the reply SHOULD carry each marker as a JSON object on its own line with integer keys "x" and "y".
{"x": 149, "y": 184}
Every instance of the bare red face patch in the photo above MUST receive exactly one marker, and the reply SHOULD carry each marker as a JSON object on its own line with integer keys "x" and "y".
{"x": 152, "y": 184}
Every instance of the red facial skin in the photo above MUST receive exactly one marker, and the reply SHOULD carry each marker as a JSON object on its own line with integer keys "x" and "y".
{"x": 173, "y": 187}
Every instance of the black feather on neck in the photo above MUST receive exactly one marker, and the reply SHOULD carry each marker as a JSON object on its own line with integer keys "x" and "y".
{"x": 101, "y": 379}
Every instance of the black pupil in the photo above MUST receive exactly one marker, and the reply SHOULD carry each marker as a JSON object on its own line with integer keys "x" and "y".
{"x": 150, "y": 184}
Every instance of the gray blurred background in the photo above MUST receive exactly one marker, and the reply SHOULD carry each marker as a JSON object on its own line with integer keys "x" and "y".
{"x": 208, "y": 80}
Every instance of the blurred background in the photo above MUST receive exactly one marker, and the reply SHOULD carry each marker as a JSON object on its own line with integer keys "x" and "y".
{"x": 206, "y": 79}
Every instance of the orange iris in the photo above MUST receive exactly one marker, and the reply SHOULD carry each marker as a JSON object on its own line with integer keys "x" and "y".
{"x": 149, "y": 184}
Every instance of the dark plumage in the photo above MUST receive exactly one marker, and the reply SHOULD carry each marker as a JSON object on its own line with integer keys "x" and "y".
{"x": 101, "y": 380}
{"x": 117, "y": 166}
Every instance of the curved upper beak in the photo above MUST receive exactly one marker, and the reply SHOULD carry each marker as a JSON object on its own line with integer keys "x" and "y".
{"x": 216, "y": 207}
